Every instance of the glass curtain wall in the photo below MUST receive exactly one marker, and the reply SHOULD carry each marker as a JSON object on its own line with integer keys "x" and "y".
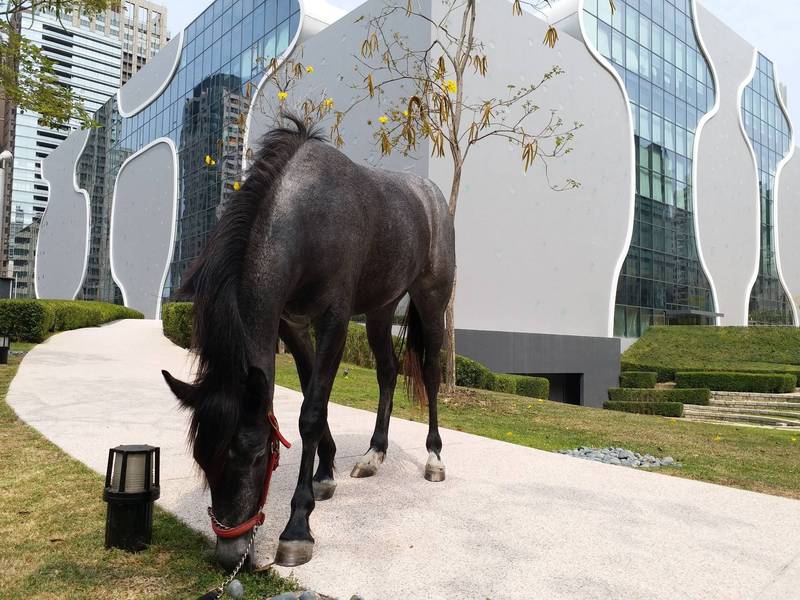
{"x": 769, "y": 133}
{"x": 652, "y": 45}
{"x": 225, "y": 53}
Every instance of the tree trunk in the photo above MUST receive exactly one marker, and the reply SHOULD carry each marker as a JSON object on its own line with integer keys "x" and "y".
{"x": 450, "y": 326}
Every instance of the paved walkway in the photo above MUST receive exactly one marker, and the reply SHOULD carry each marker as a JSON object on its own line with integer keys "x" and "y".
{"x": 509, "y": 522}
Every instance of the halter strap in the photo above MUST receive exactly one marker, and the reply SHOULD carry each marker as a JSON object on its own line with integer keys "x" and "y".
{"x": 276, "y": 439}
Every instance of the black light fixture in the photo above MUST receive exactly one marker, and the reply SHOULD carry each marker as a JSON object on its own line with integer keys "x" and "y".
{"x": 5, "y": 345}
{"x": 132, "y": 485}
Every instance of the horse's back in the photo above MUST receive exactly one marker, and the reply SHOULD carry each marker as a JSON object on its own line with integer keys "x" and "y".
{"x": 378, "y": 230}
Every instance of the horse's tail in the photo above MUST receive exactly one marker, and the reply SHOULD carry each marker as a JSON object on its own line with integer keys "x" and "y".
{"x": 213, "y": 281}
{"x": 414, "y": 355}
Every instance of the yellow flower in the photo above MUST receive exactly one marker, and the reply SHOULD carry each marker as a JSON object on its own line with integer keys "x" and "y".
{"x": 451, "y": 86}
{"x": 208, "y": 159}
{"x": 328, "y": 102}
{"x": 794, "y": 440}
{"x": 236, "y": 186}
{"x": 509, "y": 433}
{"x": 282, "y": 96}
{"x": 405, "y": 113}
{"x": 383, "y": 119}
{"x": 309, "y": 69}
{"x": 717, "y": 439}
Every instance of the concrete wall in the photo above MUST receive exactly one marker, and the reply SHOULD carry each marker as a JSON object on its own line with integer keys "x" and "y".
{"x": 143, "y": 225}
{"x": 63, "y": 241}
{"x": 727, "y": 183}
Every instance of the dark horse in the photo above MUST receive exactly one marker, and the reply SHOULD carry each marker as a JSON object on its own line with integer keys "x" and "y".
{"x": 310, "y": 239}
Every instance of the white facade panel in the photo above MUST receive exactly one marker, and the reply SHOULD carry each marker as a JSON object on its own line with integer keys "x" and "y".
{"x": 727, "y": 183}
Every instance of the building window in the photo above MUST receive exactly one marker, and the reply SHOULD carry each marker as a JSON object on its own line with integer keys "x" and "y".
{"x": 653, "y": 47}
{"x": 769, "y": 133}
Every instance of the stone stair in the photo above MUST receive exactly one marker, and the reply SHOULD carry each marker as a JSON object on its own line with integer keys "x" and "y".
{"x": 746, "y": 408}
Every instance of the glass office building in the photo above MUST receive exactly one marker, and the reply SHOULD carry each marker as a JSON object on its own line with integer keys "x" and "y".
{"x": 770, "y": 136}
{"x": 652, "y": 45}
{"x": 225, "y": 52}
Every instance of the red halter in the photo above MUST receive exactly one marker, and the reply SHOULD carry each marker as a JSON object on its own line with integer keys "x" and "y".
{"x": 275, "y": 441}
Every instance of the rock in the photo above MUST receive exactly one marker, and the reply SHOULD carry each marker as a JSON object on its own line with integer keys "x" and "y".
{"x": 667, "y": 460}
{"x": 285, "y": 596}
{"x": 235, "y": 589}
{"x": 308, "y": 595}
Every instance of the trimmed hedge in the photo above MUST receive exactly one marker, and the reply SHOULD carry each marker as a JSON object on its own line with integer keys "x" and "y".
{"x": 177, "y": 324}
{"x": 33, "y": 320}
{"x": 470, "y": 373}
{"x": 638, "y": 379}
{"x": 533, "y": 387}
{"x": 780, "y": 383}
{"x": 176, "y": 320}
{"x": 664, "y": 409}
{"x": 506, "y": 384}
{"x": 685, "y": 395}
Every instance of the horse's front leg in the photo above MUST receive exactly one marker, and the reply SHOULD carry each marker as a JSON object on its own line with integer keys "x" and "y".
{"x": 296, "y": 543}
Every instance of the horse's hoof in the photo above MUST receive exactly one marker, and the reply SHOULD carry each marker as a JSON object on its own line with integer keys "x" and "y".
{"x": 434, "y": 469}
{"x": 367, "y": 465}
{"x": 323, "y": 490}
{"x": 360, "y": 471}
{"x": 434, "y": 474}
{"x": 293, "y": 553}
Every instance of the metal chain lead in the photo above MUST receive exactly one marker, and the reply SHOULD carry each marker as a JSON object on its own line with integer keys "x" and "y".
{"x": 239, "y": 565}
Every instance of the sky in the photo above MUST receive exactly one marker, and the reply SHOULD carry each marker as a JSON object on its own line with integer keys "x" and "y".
{"x": 769, "y": 26}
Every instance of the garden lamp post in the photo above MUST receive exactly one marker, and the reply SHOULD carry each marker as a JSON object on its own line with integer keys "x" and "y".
{"x": 5, "y": 344}
{"x": 132, "y": 485}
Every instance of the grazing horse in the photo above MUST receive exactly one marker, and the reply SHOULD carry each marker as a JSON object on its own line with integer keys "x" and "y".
{"x": 310, "y": 239}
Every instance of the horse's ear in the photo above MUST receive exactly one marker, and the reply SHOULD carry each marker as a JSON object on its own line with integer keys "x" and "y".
{"x": 183, "y": 391}
{"x": 256, "y": 384}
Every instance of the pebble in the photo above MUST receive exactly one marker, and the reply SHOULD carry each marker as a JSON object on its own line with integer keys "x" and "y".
{"x": 621, "y": 456}
{"x": 235, "y": 589}
{"x": 305, "y": 595}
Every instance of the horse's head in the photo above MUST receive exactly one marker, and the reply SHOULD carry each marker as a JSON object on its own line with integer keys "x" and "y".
{"x": 230, "y": 433}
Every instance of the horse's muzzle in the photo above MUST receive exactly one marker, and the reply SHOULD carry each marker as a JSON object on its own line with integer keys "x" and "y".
{"x": 229, "y": 552}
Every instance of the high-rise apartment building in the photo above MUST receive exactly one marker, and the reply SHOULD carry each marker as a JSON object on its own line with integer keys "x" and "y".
{"x": 94, "y": 56}
{"x": 87, "y": 61}
{"x": 140, "y": 26}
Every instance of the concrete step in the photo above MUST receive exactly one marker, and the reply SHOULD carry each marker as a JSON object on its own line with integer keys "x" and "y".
{"x": 710, "y": 413}
{"x": 756, "y": 396}
{"x": 755, "y": 404}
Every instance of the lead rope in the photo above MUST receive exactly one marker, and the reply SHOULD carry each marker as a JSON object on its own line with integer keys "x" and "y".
{"x": 218, "y": 591}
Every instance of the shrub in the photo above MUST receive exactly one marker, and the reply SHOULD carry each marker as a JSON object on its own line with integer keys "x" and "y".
{"x": 506, "y": 384}
{"x": 684, "y": 396}
{"x": 738, "y": 382}
{"x": 470, "y": 373}
{"x": 533, "y": 387}
{"x": 26, "y": 320}
{"x": 32, "y": 320}
{"x": 356, "y": 349}
{"x": 176, "y": 320}
{"x": 638, "y": 379}
{"x": 665, "y": 409}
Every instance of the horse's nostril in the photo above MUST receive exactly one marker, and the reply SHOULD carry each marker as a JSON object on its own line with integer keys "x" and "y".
{"x": 230, "y": 551}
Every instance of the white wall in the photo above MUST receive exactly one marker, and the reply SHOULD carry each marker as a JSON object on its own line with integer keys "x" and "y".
{"x": 727, "y": 183}
{"x": 788, "y": 210}
{"x": 531, "y": 259}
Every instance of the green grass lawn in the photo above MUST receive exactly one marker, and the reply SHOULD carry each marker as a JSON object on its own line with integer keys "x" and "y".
{"x": 763, "y": 460}
{"x": 691, "y": 347}
{"x": 52, "y": 520}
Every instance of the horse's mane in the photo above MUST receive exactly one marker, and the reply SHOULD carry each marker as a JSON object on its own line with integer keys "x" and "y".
{"x": 213, "y": 281}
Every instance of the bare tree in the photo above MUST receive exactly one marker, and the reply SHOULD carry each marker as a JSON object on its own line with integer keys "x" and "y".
{"x": 436, "y": 107}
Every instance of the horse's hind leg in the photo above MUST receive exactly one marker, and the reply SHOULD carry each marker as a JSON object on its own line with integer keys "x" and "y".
{"x": 379, "y": 334}
{"x": 430, "y": 305}
{"x": 298, "y": 341}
